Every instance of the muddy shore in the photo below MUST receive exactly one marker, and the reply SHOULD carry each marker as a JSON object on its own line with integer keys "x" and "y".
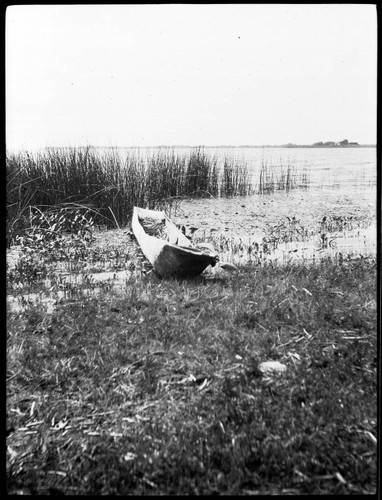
{"x": 250, "y": 216}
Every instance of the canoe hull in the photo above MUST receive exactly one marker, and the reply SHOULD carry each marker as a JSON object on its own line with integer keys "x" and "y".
{"x": 174, "y": 257}
{"x": 175, "y": 261}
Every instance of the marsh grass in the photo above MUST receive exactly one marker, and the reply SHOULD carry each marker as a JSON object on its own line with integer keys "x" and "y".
{"x": 110, "y": 183}
{"x": 291, "y": 240}
{"x": 235, "y": 180}
{"x": 158, "y": 390}
{"x": 282, "y": 178}
{"x": 155, "y": 388}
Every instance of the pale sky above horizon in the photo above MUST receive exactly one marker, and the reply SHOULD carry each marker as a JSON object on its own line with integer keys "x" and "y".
{"x": 170, "y": 74}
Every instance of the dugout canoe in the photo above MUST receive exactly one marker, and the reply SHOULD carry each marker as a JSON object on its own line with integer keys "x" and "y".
{"x": 165, "y": 246}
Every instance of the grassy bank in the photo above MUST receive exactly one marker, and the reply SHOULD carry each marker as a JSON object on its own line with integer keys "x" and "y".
{"x": 155, "y": 387}
{"x": 109, "y": 184}
{"x": 158, "y": 391}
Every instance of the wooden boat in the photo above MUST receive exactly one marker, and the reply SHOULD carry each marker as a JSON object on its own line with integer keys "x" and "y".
{"x": 169, "y": 251}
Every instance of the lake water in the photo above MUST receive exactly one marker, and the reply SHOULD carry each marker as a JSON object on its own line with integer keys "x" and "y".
{"x": 342, "y": 167}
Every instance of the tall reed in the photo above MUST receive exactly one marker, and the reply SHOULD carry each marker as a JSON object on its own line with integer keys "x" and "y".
{"x": 281, "y": 178}
{"x": 236, "y": 179}
{"x": 111, "y": 183}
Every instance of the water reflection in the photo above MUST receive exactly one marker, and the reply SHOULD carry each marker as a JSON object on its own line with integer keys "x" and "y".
{"x": 73, "y": 287}
{"x": 336, "y": 245}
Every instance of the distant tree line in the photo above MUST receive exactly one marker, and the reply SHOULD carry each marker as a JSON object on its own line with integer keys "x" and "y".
{"x": 332, "y": 144}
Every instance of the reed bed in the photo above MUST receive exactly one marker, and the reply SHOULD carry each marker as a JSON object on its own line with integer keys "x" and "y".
{"x": 282, "y": 178}
{"x": 110, "y": 183}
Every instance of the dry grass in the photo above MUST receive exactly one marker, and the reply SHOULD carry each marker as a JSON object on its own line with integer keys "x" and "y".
{"x": 156, "y": 389}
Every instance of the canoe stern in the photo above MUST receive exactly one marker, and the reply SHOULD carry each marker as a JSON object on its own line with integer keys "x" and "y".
{"x": 181, "y": 262}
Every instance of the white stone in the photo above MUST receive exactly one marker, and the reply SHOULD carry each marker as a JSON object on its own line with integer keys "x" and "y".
{"x": 269, "y": 367}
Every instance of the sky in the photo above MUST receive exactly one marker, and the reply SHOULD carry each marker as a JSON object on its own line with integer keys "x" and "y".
{"x": 173, "y": 74}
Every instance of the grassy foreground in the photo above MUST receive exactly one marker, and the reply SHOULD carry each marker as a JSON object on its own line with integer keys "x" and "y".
{"x": 158, "y": 390}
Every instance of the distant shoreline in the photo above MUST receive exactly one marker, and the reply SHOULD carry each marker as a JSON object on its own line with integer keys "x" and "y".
{"x": 285, "y": 146}
{"x": 293, "y": 146}
{"x": 187, "y": 146}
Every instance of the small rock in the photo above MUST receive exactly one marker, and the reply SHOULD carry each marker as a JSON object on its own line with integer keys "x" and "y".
{"x": 270, "y": 367}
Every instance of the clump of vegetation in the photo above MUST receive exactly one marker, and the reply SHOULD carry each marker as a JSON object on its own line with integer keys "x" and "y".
{"x": 236, "y": 180}
{"x": 282, "y": 178}
{"x": 62, "y": 234}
